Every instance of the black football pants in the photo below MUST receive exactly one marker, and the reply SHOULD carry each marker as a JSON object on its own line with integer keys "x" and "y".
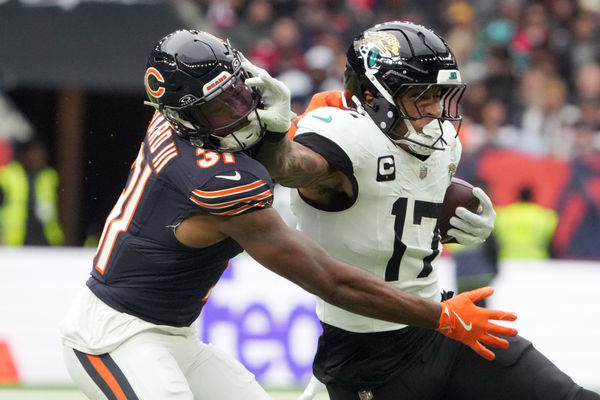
{"x": 518, "y": 373}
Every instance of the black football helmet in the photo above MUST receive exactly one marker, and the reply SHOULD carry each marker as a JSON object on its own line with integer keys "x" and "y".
{"x": 393, "y": 58}
{"x": 196, "y": 81}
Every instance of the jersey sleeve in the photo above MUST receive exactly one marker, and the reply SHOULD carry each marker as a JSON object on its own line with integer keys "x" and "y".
{"x": 233, "y": 194}
{"x": 336, "y": 134}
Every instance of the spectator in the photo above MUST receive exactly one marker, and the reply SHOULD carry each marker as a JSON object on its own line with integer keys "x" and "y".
{"x": 321, "y": 66}
{"x": 533, "y": 32}
{"x": 587, "y": 81}
{"x": 473, "y": 101}
{"x": 501, "y": 79}
{"x": 561, "y": 34}
{"x": 5, "y": 152}
{"x": 524, "y": 229}
{"x": 300, "y": 85}
{"x": 282, "y": 51}
{"x": 545, "y": 120}
{"x": 28, "y": 199}
{"x": 221, "y": 13}
{"x": 576, "y": 235}
{"x": 255, "y": 26}
{"x": 590, "y": 113}
{"x": 492, "y": 132}
{"x": 586, "y": 141}
{"x": 584, "y": 47}
{"x": 461, "y": 36}
{"x": 14, "y": 126}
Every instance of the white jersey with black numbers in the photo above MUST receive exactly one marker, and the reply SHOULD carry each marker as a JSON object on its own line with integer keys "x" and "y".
{"x": 390, "y": 228}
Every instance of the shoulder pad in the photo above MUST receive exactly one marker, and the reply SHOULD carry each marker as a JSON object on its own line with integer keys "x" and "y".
{"x": 331, "y": 98}
{"x": 336, "y": 124}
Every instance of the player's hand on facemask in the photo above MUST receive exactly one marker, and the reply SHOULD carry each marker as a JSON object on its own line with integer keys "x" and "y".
{"x": 276, "y": 115}
{"x": 462, "y": 320}
{"x": 471, "y": 229}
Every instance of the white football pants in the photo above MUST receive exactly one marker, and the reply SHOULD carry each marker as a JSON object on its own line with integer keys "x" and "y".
{"x": 156, "y": 366}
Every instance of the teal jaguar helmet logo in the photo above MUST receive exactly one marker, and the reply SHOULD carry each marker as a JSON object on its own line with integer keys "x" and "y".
{"x": 378, "y": 48}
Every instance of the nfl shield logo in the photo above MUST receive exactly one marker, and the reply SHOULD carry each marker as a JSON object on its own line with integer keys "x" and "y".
{"x": 451, "y": 170}
{"x": 423, "y": 172}
{"x": 365, "y": 395}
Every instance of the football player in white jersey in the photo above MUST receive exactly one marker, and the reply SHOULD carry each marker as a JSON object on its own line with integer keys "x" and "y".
{"x": 371, "y": 182}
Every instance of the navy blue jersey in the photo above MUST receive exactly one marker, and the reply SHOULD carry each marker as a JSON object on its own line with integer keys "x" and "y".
{"x": 140, "y": 268}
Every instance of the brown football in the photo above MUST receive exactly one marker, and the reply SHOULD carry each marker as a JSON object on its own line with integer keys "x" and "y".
{"x": 458, "y": 194}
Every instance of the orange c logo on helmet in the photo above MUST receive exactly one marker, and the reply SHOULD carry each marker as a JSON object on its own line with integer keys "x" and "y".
{"x": 157, "y": 75}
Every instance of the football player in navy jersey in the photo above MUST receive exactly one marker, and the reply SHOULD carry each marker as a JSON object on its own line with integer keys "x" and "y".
{"x": 194, "y": 198}
{"x": 372, "y": 172}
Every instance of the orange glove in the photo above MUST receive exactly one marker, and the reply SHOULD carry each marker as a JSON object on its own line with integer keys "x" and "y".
{"x": 462, "y": 320}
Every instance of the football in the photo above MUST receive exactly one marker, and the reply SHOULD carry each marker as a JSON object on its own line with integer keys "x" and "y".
{"x": 458, "y": 194}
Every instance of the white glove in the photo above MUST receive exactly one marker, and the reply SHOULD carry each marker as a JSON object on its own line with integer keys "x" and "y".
{"x": 471, "y": 229}
{"x": 314, "y": 386}
{"x": 276, "y": 115}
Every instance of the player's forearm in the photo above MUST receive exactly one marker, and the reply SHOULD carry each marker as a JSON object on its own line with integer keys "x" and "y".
{"x": 272, "y": 155}
{"x": 358, "y": 291}
{"x": 292, "y": 165}
{"x": 362, "y": 293}
{"x": 301, "y": 260}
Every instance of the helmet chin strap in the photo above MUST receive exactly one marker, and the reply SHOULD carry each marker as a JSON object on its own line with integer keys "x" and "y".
{"x": 422, "y": 143}
{"x": 243, "y": 138}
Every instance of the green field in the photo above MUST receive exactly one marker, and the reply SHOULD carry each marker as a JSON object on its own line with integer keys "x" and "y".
{"x": 62, "y": 393}
{"x": 69, "y": 393}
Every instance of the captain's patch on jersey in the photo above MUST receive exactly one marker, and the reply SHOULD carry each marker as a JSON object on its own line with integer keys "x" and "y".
{"x": 386, "y": 169}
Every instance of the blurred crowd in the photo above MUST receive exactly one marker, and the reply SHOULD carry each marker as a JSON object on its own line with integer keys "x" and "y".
{"x": 533, "y": 67}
